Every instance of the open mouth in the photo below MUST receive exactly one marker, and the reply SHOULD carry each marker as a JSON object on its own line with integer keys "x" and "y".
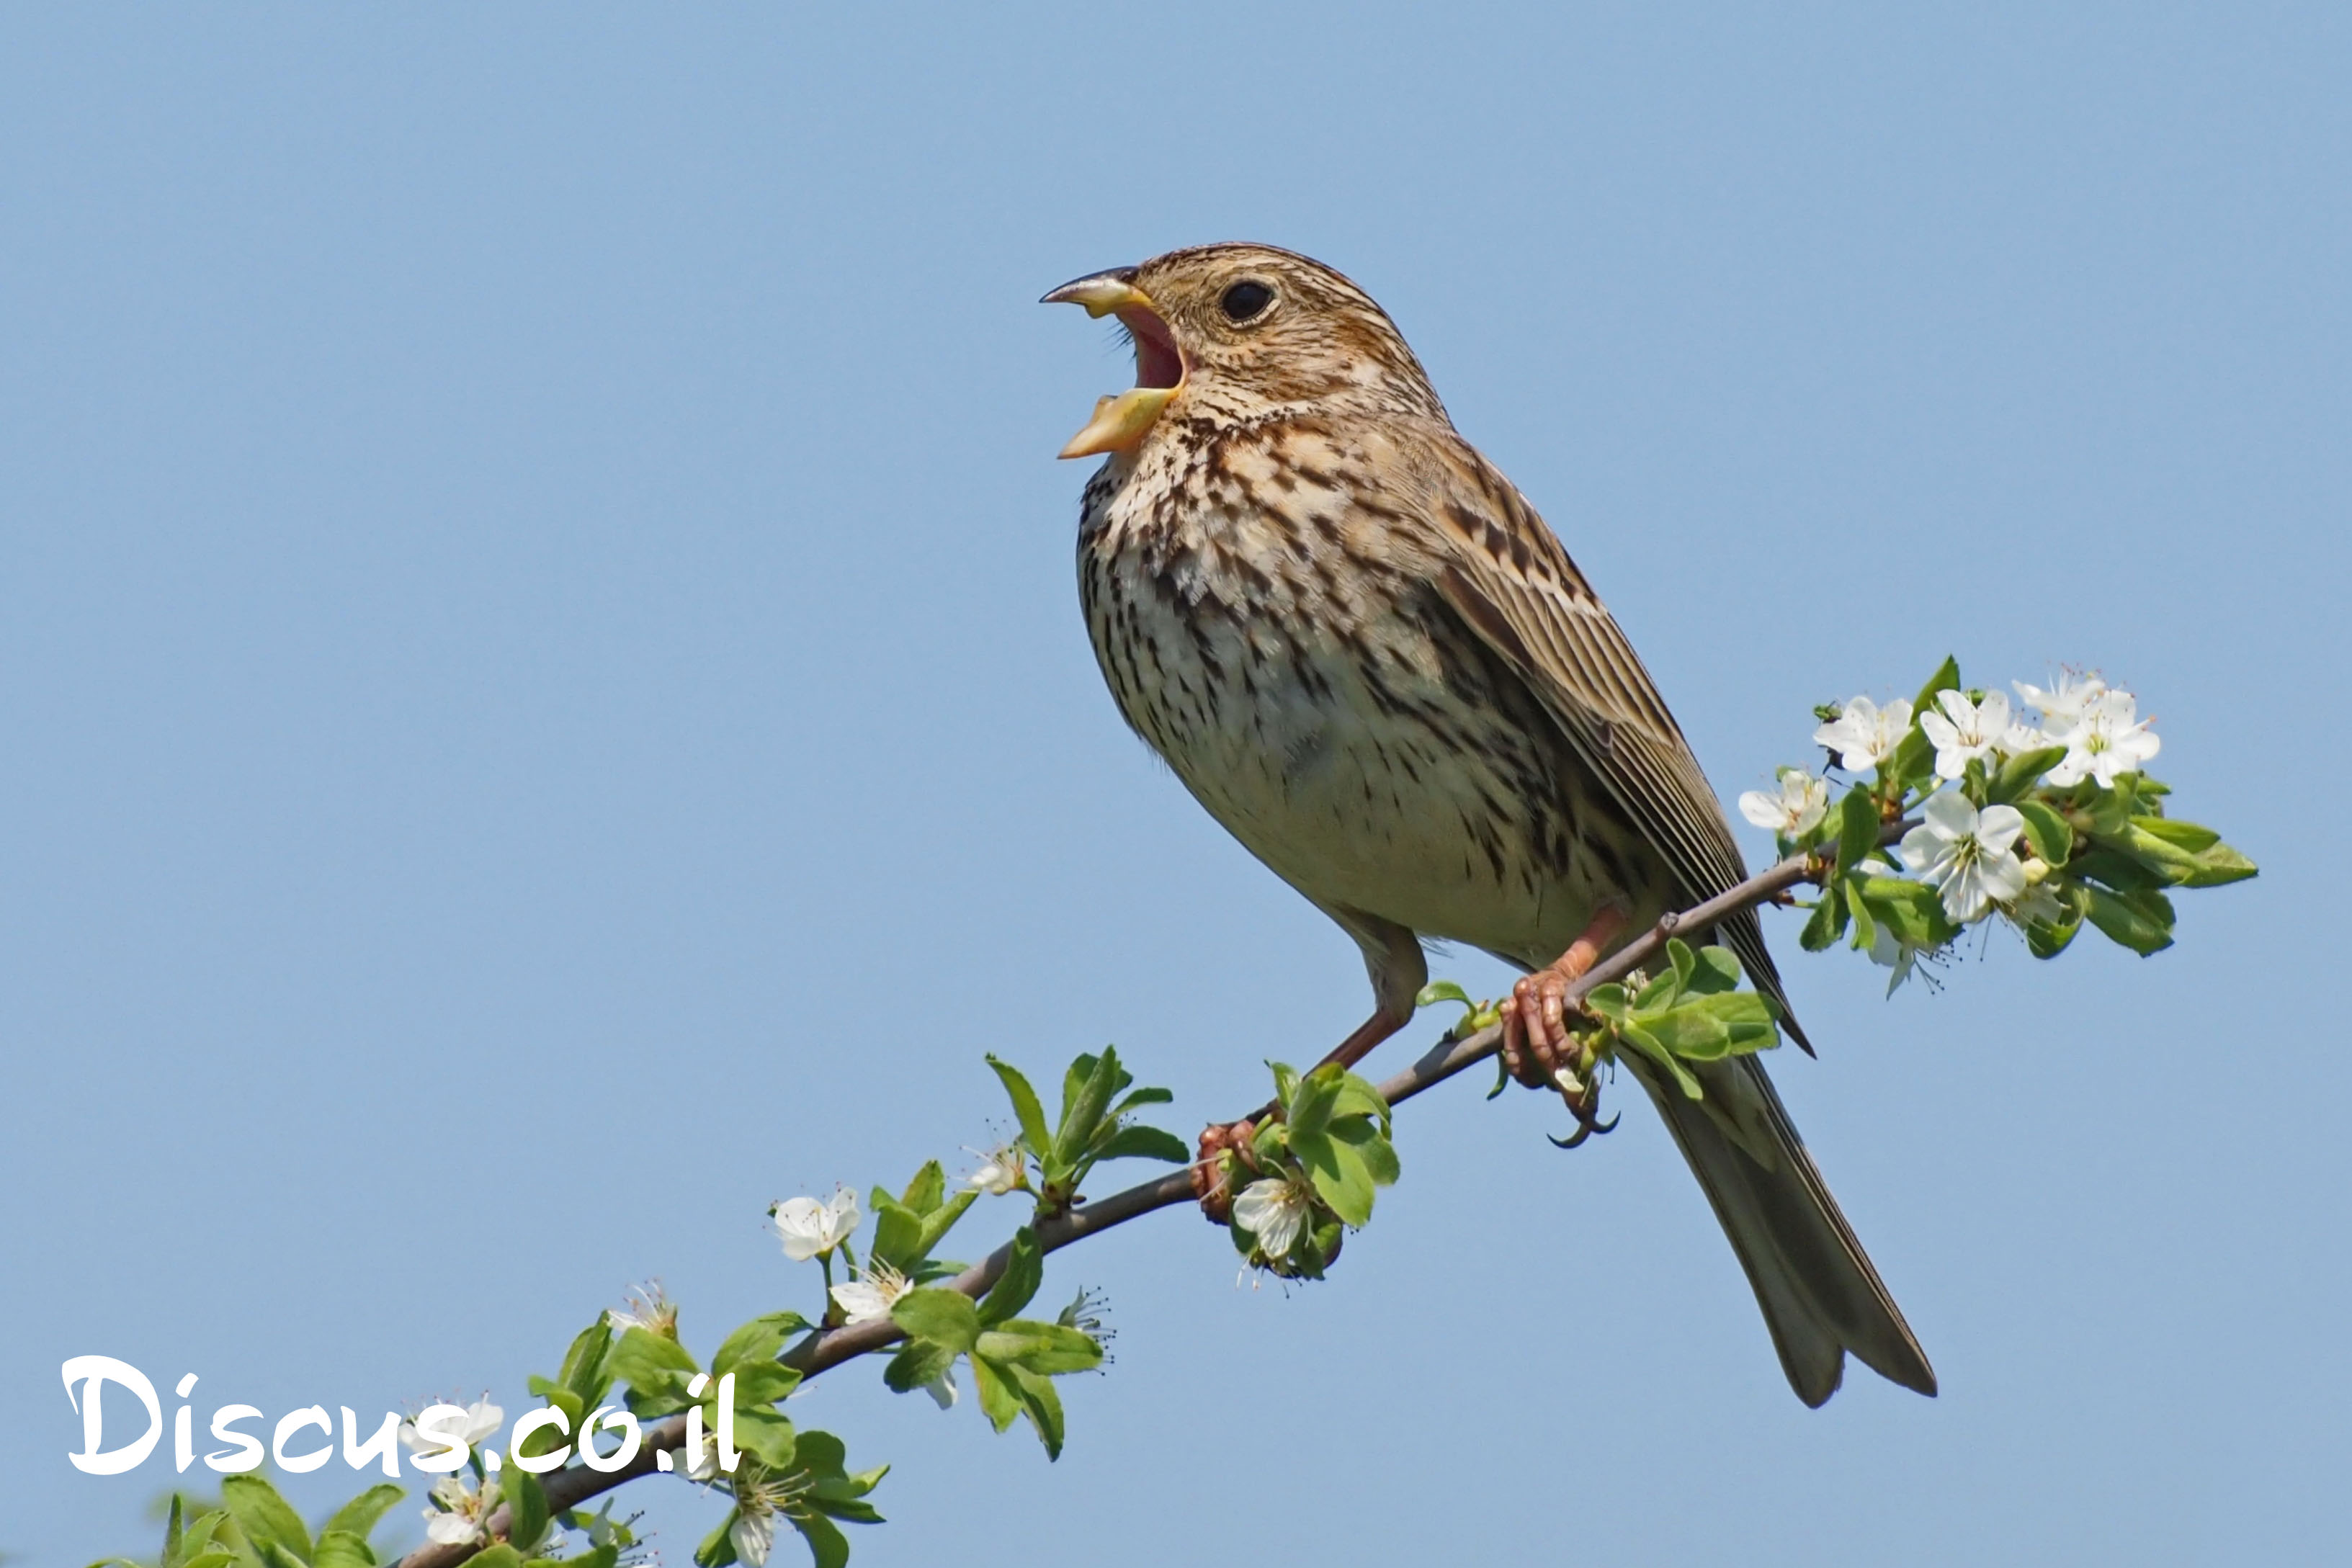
{"x": 1122, "y": 421}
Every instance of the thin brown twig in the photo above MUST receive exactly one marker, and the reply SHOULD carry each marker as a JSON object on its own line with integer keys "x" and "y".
{"x": 570, "y": 1487}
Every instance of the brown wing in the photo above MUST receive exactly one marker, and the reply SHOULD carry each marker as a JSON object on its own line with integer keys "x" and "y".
{"x": 1508, "y": 575}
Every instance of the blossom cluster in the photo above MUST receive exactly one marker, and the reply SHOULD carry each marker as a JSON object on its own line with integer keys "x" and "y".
{"x": 2000, "y": 794}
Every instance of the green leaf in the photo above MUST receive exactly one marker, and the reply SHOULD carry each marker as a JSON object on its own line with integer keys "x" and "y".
{"x": 2195, "y": 855}
{"x": 2020, "y": 773}
{"x": 1911, "y": 911}
{"x": 1286, "y": 1081}
{"x": 1716, "y": 971}
{"x": 2140, "y": 921}
{"x": 1341, "y": 1176}
{"x": 1689, "y": 1032}
{"x": 1858, "y": 827}
{"x": 264, "y": 1516}
{"x": 920, "y": 1362}
{"x": 1649, "y": 1045}
{"x": 2047, "y": 832}
{"x": 1050, "y": 1349}
{"x": 767, "y": 1434}
{"x": 928, "y": 1190}
{"x": 359, "y": 1516}
{"x": 1378, "y": 1154}
{"x": 1082, "y": 1111}
{"x": 826, "y": 1542}
{"x": 1041, "y": 1404}
{"x": 1025, "y": 1109}
{"x": 525, "y": 1503}
{"x": 2121, "y": 871}
{"x": 582, "y": 1371}
{"x": 1358, "y": 1097}
{"x": 1438, "y": 991}
{"x": 1319, "y": 1094}
{"x": 1659, "y": 993}
{"x": 1144, "y": 1143}
{"x": 758, "y": 1382}
{"x": 941, "y": 1219}
{"x": 946, "y": 1316}
{"x": 2047, "y": 939}
{"x": 1024, "y": 1271}
{"x": 655, "y": 1369}
{"x": 717, "y": 1548}
{"x": 755, "y": 1342}
{"x": 196, "y": 1539}
{"x": 1608, "y": 1001}
{"x": 499, "y": 1556}
{"x": 897, "y": 1231}
{"x": 1827, "y": 922}
{"x": 998, "y": 1401}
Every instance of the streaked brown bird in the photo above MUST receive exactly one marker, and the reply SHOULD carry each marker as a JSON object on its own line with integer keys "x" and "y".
{"x": 1367, "y": 656}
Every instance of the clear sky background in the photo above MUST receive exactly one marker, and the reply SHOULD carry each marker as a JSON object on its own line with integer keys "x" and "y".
{"x": 543, "y": 709}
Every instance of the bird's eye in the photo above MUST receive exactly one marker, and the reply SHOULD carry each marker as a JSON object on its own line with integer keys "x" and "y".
{"x": 1245, "y": 300}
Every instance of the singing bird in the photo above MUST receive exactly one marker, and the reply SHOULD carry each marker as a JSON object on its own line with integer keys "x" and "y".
{"x": 1363, "y": 652}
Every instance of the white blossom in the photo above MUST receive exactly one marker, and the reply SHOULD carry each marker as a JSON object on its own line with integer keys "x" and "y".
{"x": 648, "y": 1308}
{"x": 812, "y": 1229}
{"x": 1274, "y": 1210}
{"x": 1965, "y": 853}
{"x": 2062, "y": 705}
{"x": 1897, "y": 955}
{"x": 754, "y": 1535}
{"x": 1802, "y": 801}
{"x": 1003, "y": 1169}
{"x": 1865, "y": 734}
{"x": 871, "y": 1294}
{"x": 461, "y": 1518}
{"x": 2109, "y": 738}
{"x": 480, "y": 1420}
{"x": 1965, "y": 730}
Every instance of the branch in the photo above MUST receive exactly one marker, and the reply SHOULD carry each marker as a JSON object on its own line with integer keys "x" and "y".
{"x": 829, "y": 1348}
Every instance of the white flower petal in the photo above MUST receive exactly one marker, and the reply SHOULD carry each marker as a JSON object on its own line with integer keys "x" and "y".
{"x": 1949, "y": 816}
{"x": 754, "y": 1535}
{"x": 1997, "y": 827}
{"x": 1762, "y": 809}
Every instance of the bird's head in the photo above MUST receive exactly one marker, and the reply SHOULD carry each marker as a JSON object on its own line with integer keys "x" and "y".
{"x": 1240, "y": 331}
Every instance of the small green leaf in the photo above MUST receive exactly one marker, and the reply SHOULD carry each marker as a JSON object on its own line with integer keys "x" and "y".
{"x": 1082, "y": 1111}
{"x": 1025, "y": 1108}
{"x": 1145, "y": 1096}
{"x": 1341, "y": 1176}
{"x": 756, "y": 1341}
{"x": 1858, "y": 827}
{"x": 1319, "y": 1094}
{"x": 264, "y": 1516}
{"x": 1912, "y": 912}
{"x": 1024, "y": 1271}
{"x": 920, "y": 1362}
{"x": 2020, "y": 773}
{"x": 582, "y": 1371}
{"x": 826, "y": 1542}
{"x": 1286, "y": 1081}
{"x": 1359, "y": 1097}
{"x": 1144, "y": 1143}
{"x": 499, "y": 1556}
{"x": 948, "y": 1317}
{"x": 1649, "y": 1045}
{"x": 768, "y": 1434}
{"x": 1041, "y": 1404}
{"x": 1716, "y": 971}
{"x": 2140, "y": 921}
{"x": 1438, "y": 991}
{"x": 526, "y": 1505}
{"x": 998, "y": 1401}
{"x": 1378, "y": 1154}
{"x": 2047, "y": 832}
{"x": 717, "y": 1548}
{"x": 897, "y": 1230}
{"x": 940, "y": 1221}
{"x": 928, "y": 1190}
{"x": 1052, "y": 1349}
{"x": 1827, "y": 922}
{"x": 359, "y": 1516}
{"x": 1608, "y": 1001}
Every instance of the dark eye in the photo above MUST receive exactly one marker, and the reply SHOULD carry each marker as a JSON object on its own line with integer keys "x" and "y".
{"x": 1245, "y": 300}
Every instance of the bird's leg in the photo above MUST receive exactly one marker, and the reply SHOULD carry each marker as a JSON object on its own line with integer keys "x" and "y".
{"x": 1538, "y": 1049}
{"x": 1233, "y": 1137}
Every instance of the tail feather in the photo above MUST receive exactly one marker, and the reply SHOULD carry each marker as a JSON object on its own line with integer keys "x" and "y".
{"x": 1821, "y": 1296}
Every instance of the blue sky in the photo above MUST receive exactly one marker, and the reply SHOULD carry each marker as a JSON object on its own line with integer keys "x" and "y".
{"x": 543, "y": 709}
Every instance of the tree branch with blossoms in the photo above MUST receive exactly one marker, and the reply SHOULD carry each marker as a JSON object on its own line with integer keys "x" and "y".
{"x": 2039, "y": 813}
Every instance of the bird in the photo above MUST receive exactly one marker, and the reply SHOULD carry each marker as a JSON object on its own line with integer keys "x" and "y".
{"x": 1368, "y": 657}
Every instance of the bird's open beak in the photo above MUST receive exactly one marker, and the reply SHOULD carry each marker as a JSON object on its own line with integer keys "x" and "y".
{"x": 1121, "y": 421}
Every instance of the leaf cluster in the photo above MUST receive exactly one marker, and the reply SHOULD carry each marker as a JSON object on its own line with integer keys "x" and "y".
{"x": 1094, "y": 1125}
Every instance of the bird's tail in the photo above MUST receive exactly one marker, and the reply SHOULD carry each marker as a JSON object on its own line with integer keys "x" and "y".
{"x": 1820, "y": 1297}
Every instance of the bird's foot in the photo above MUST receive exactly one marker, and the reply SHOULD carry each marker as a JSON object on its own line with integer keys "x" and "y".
{"x": 1222, "y": 1148}
{"x": 1541, "y": 1050}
